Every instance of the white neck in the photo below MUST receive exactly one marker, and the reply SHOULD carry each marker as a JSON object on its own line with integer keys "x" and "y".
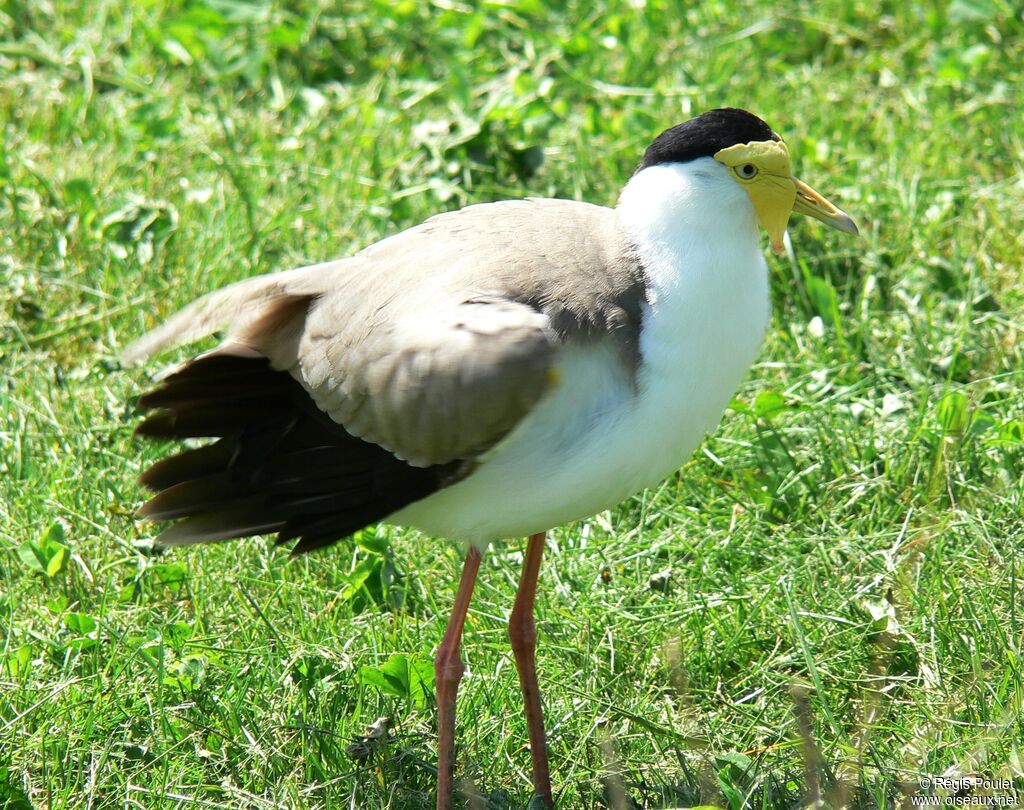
{"x": 695, "y": 230}
{"x": 685, "y": 216}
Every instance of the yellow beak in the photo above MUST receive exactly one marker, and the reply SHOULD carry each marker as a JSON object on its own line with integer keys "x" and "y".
{"x": 810, "y": 202}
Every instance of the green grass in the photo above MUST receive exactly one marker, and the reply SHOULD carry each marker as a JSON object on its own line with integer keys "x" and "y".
{"x": 843, "y": 613}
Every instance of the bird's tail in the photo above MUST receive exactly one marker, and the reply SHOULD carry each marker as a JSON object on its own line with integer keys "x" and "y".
{"x": 277, "y": 463}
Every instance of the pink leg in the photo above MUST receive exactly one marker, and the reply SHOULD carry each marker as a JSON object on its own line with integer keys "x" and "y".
{"x": 448, "y": 671}
{"x": 522, "y": 632}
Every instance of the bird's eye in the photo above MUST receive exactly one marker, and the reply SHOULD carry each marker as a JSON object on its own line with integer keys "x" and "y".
{"x": 747, "y": 171}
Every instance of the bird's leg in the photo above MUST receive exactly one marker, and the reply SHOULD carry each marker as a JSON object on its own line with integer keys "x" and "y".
{"x": 522, "y": 632}
{"x": 448, "y": 671}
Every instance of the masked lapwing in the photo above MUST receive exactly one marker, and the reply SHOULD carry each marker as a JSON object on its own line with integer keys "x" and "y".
{"x": 489, "y": 374}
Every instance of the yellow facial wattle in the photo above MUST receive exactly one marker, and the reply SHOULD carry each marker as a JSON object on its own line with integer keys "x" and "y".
{"x": 763, "y": 169}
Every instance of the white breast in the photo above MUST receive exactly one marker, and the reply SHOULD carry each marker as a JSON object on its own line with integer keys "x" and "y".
{"x": 599, "y": 437}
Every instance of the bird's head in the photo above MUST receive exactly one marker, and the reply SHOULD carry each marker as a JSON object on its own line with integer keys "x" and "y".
{"x": 756, "y": 158}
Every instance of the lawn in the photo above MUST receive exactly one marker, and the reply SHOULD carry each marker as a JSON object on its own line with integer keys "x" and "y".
{"x": 825, "y": 602}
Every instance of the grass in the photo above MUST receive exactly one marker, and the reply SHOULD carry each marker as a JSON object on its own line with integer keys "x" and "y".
{"x": 824, "y": 603}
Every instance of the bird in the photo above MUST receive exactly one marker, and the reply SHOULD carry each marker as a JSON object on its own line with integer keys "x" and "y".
{"x": 489, "y": 374}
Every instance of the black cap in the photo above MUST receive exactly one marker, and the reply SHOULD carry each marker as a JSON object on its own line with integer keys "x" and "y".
{"x": 706, "y": 135}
